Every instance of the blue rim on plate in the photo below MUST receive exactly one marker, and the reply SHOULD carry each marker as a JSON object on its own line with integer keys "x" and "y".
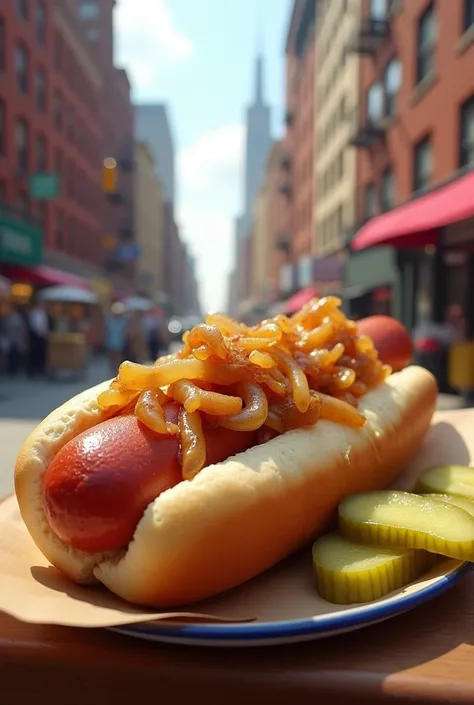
{"x": 345, "y": 620}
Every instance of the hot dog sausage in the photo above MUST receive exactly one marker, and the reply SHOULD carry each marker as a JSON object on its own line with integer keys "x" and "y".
{"x": 391, "y": 339}
{"x": 100, "y": 483}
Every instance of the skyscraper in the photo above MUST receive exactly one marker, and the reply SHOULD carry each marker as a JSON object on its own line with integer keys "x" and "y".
{"x": 257, "y": 147}
{"x": 152, "y": 125}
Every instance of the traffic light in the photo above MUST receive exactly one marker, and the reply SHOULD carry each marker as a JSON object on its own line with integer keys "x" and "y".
{"x": 109, "y": 175}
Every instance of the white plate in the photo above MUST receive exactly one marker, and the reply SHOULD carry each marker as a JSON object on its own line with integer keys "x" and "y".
{"x": 330, "y": 623}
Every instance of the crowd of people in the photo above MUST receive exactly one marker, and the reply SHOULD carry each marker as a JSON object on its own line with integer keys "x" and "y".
{"x": 23, "y": 340}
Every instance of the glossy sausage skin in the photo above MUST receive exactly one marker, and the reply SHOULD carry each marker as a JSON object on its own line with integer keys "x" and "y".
{"x": 100, "y": 483}
{"x": 391, "y": 339}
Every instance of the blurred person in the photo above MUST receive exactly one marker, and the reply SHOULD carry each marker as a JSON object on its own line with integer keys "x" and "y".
{"x": 153, "y": 333}
{"x": 17, "y": 337}
{"x": 116, "y": 330}
{"x": 38, "y": 331}
{"x": 137, "y": 348}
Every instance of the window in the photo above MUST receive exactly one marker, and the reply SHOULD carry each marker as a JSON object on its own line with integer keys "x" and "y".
{"x": 58, "y": 111}
{"x": 393, "y": 81}
{"x": 41, "y": 158}
{"x": 426, "y": 43}
{"x": 23, "y": 202}
{"x": 21, "y": 142}
{"x": 378, "y": 9}
{"x": 92, "y": 34}
{"x": 40, "y": 22}
{"x": 370, "y": 201}
{"x": 3, "y": 191}
{"x": 467, "y": 133}
{"x": 21, "y": 67}
{"x": 40, "y": 90}
{"x": 375, "y": 100}
{"x": 59, "y": 230}
{"x": 468, "y": 14}
{"x": 21, "y": 7}
{"x": 3, "y": 48}
{"x": 58, "y": 165}
{"x": 387, "y": 196}
{"x": 422, "y": 163}
{"x": 88, "y": 9}
{"x": 42, "y": 213}
{"x": 3, "y": 127}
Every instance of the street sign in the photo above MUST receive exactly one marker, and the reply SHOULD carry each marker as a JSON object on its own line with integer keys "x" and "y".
{"x": 20, "y": 243}
{"x": 44, "y": 186}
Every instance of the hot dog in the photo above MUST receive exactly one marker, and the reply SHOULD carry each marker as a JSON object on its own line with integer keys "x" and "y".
{"x": 169, "y": 489}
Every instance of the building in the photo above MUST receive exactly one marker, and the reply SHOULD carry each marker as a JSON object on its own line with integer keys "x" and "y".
{"x": 148, "y": 223}
{"x": 117, "y": 143}
{"x": 260, "y": 247}
{"x": 297, "y": 183}
{"x": 257, "y": 145}
{"x": 415, "y": 133}
{"x": 278, "y": 225}
{"x": 152, "y": 125}
{"x": 50, "y": 139}
{"x": 337, "y": 98}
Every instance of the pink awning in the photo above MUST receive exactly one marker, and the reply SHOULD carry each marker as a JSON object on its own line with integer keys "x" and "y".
{"x": 416, "y": 223}
{"x": 299, "y": 299}
{"x": 46, "y": 276}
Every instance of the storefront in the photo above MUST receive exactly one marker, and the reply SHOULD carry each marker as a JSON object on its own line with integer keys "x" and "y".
{"x": 371, "y": 283}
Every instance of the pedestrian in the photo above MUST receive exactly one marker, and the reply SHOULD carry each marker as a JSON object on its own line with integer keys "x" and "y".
{"x": 152, "y": 334}
{"x": 38, "y": 332}
{"x": 116, "y": 329}
{"x": 16, "y": 331}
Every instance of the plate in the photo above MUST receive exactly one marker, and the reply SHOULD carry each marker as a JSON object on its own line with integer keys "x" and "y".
{"x": 331, "y": 622}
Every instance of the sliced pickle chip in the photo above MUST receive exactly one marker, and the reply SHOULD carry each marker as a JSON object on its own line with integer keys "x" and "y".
{"x": 400, "y": 519}
{"x": 348, "y": 573}
{"x": 462, "y": 502}
{"x": 457, "y": 480}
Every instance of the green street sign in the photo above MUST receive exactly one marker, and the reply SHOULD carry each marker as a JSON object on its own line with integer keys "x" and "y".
{"x": 44, "y": 186}
{"x": 20, "y": 242}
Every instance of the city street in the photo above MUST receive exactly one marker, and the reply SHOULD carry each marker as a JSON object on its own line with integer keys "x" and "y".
{"x": 24, "y": 403}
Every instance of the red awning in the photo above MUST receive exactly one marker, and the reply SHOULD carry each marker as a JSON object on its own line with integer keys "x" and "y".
{"x": 46, "y": 276}
{"x": 299, "y": 299}
{"x": 416, "y": 223}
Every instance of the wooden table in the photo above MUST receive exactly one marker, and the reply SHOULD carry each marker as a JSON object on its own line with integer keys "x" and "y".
{"x": 424, "y": 656}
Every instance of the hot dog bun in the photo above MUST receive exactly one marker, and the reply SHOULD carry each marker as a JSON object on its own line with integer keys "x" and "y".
{"x": 237, "y": 518}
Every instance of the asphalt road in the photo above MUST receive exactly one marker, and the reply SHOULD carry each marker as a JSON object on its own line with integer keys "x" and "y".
{"x": 23, "y": 403}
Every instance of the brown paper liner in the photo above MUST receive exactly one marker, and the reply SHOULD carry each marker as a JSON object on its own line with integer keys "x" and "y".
{"x": 33, "y": 591}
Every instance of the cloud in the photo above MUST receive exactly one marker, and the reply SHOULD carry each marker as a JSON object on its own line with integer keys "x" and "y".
{"x": 149, "y": 40}
{"x": 209, "y": 175}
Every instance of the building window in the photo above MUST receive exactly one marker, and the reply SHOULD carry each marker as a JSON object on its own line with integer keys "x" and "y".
{"x": 21, "y": 7}
{"x": 426, "y": 43}
{"x": 422, "y": 163}
{"x": 59, "y": 230}
{"x": 58, "y": 166}
{"x": 393, "y": 81}
{"x": 3, "y": 48}
{"x": 370, "y": 201}
{"x": 88, "y": 9}
{"x": 378, "y": 9}
{"x": 42, "y": 213}
{"x": 467, "y": 133}
{"x": 387, "y": 196}
{"x": 21, "y": 142}
{"x": 92, "y": 34}
{"x": 58, "y": 111}
{"x": 40, "y": 22}
{"x": 468, "y": 14}
{"x": 40, "y": 89}
{"x": 3, "y": 127}
{"x": 375, "y": 99}
{"x": 3, "y": 191}
{"x": 41, "y": 153}
{"x": 23, "y": 202}
{"x": 21, "y": 67}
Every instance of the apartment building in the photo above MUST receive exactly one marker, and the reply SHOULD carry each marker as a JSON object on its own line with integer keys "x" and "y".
{"x": 415, "y": 133}
{"x": 337, "y": 97}
{"x": 148, "y": 222}
{"x": 50, "y": 138}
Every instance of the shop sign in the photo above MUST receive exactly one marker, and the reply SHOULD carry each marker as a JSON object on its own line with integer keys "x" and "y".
{"x": 127, "y": 253}
{"x": 44, "y": 186}
{"x": 20, "y": 243}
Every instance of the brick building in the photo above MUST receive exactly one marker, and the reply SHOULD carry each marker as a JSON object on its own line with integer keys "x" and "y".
{"x": 298, "y": 144}
{"x": 415, "y": 131}
{"x": 51, "y": 125}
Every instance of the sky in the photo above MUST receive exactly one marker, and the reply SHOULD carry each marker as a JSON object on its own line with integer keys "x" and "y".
{"x": 197, "y": 56}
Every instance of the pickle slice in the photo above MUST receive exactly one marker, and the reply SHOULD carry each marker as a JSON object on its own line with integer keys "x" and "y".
{"x": 462, "y": 502}
{"x": 455, "y": 480}
{"x": 348, "y": 573}
{"x": 401, "y": 519}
